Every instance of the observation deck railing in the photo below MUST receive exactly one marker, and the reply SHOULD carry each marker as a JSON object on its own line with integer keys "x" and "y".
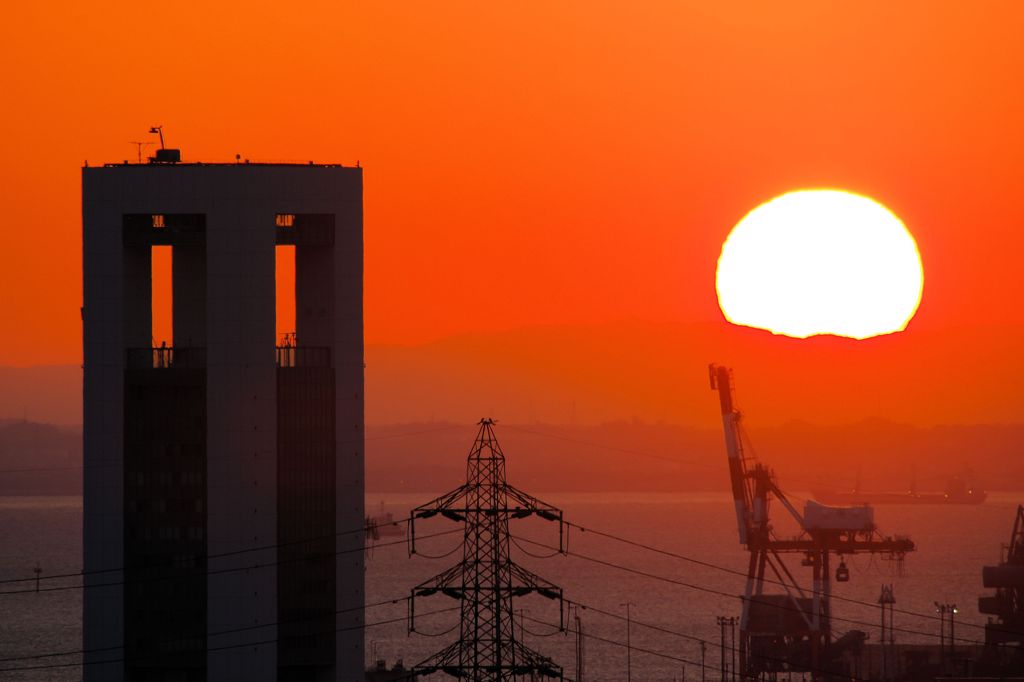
{"x": 165, "y": 357}
{"x": 303, "y": 356}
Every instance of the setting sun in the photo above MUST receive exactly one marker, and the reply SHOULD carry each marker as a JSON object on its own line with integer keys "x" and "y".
{"x": 820, "y": 262}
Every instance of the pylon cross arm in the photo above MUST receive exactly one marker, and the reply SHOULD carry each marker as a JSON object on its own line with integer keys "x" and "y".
{"x": 448, "y": 501}
{"x": 520, "y": 501}
{"x": 523, "y": 578}
{"x": 448, "y": 578}
{"x": 519, "y": 660}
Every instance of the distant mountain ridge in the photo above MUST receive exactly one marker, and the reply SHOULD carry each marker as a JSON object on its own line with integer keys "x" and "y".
{"x": 602, "y": 373}
{"x": 45, "y": 393}
{"x": 41, "y": 459}
{"x": 820, "y": 408}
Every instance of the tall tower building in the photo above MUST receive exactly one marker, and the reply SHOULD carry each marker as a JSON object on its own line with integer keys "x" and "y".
{"x": 224, "y": 468}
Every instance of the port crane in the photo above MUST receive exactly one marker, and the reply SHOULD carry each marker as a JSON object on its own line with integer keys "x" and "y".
{"x": 791, "y": 630}
{"x": 1006, "y": 636}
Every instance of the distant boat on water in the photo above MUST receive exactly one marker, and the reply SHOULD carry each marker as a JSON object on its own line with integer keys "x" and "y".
{"x": 957, "y": 492}
{"x": 383, "y": 524}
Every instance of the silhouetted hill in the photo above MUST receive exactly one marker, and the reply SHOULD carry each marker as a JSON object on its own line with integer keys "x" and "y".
{"x": 590, "y": 375}
{"x": 631, "y": 456}
{"x": 40, "y": 459}
{"x": 598, "y": 374}
{"x": 47, "y": 393}
{"x": 917, "y": 403}
{"x": 37, "y": 459}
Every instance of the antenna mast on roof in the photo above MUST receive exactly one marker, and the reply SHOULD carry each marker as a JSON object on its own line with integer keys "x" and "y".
{"x": 163, "y": 155}
{"x": 139, "y": 145}
{"x": 159, "y": 130}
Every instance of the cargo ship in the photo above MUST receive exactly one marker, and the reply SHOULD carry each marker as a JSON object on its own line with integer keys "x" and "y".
{"x": 957, "y": 492}
{"x": 384, "y": 524}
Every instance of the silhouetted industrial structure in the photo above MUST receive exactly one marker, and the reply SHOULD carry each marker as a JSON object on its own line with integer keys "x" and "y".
{"x": 1004, "y": 637}
{"x": 223, "y": 472}
{"x": 887, "y": 637}
{"x": 792, "y": 630}
{"x": 487, "y": 580}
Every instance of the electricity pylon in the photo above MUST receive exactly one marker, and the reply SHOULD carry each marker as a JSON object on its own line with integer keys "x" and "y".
{"x": 486, "y": 580}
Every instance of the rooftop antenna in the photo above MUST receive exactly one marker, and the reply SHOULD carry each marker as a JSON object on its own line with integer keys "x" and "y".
{"x": 164, "y": 155}
{"x": 139, "y": 145}
{"x": 159, "y": 130}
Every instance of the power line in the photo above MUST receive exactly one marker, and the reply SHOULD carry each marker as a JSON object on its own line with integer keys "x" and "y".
{"x": 201, "y": 573}
{"x": 668, "y": 631}
{"x": 710, "y": 590}
{"x": 516, "y": 540}
{"x": 585, "y": 606}
{"x": 590, "y": 635}
{"x": 227, "y": 646}
{"x": 658, "y": 628}
{"x": 733, "y": 571}
{"x": 219, "y": 555}
{"x": 218, "y": 633}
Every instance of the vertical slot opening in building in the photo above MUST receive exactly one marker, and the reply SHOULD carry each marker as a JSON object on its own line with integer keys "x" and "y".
{"x": 163, "y": 477}
{"x": 284, "y": 275}
{"x": 163, "y": 295}
{"x": 306, "y": 449}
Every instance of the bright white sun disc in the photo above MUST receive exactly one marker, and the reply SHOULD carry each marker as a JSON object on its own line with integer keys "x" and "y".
{"x": 820, "y": 262}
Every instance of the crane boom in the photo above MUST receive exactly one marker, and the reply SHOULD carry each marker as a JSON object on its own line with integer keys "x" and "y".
{"x": 790, "y": 630}
{"x": 721, "y": 380}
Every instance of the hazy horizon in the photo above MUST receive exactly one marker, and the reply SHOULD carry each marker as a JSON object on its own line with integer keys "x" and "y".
{"x": 594, "y": 374}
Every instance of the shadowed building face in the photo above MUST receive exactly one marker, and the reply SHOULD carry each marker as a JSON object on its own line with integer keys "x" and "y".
{"x": 223, "y": 448}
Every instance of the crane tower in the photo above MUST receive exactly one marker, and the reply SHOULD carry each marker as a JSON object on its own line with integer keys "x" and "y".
{"x": 791, "y": 631}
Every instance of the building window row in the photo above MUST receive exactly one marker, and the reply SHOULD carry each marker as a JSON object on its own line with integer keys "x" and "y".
{"x": 169, "y": 533}
{"x": 163, "y": 506}
{"x": 166, "y": 478}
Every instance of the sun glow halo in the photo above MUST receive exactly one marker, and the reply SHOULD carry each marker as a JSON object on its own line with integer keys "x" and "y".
{"x": 820, "y": 262}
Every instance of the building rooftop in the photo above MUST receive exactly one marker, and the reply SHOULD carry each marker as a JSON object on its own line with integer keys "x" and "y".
{"x": 244, "y": 162}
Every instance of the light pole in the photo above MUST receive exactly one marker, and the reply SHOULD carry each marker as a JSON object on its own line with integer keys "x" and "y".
{"x": 732, "y": 644}
{"x": 728, "y": 665}
{"x": 886, "y": 601}
{"x": 953, "y": 610}
{"x": 942, "y": 610}
{"x": 629, "y": 653}
{"x": 579, "y": 646}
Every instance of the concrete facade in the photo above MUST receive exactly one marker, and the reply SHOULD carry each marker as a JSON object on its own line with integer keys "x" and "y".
{"x": 140, "y": 545}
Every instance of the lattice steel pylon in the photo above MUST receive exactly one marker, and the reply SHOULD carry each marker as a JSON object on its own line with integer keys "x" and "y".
{"x": 486, "y": 580}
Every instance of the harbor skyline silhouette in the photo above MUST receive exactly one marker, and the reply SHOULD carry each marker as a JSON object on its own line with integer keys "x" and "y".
{"x": 229, "y": 370}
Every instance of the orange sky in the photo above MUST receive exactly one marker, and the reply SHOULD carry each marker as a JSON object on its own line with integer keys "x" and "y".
{"x": 531, "y": 164}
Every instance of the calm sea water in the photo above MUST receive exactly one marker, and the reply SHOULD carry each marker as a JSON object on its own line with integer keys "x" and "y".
{"x": 953, "y": 544}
